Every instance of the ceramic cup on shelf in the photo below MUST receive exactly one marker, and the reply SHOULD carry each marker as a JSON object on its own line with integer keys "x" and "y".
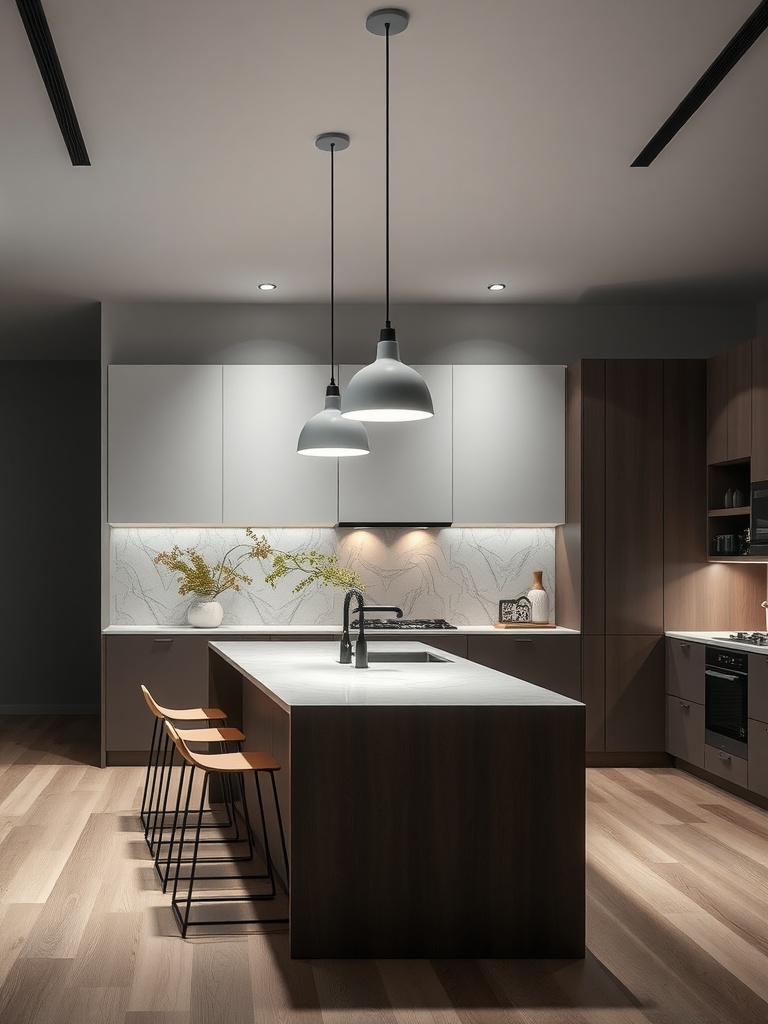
{"x": 205, "y": 612}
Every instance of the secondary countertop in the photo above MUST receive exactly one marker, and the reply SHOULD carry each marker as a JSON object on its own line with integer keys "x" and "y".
{"x": 718, "y": 638}
{"x": 309, "y": 674}
{"x": 326, "y": 631}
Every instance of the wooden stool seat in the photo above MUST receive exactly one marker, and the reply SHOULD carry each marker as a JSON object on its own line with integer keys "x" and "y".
{"x": 236, "y": 761}
{"x": 214, "y": 734}
{"x": 183, "y": 714}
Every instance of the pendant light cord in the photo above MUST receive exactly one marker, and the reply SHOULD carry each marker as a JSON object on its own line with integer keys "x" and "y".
{"x": 333, "y": 275}
{"x": 386, "y": 135}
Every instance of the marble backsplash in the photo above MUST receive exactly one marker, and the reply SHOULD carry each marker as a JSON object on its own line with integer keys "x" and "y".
{"x": 455, "y": 574}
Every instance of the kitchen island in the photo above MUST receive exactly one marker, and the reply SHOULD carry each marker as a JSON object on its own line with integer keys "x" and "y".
{"x": 434, "y": 808}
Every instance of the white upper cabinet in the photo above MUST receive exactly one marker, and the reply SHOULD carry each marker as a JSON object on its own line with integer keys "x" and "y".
{"x": 407, "y": 476}
{"x": 265, "y": 481}
{"x": 164, "y": 444}
{"x": 509, "y": 445}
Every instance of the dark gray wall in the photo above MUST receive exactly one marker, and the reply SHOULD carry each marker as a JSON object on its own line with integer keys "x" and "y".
{"x": 50, "y": 330}
{"x": 266, "y": 332}
{"x": 50, "y": 518}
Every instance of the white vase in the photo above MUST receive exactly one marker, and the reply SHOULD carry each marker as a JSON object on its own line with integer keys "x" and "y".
{"x": 205, "y": 612}
{"x": 539, "y": 599}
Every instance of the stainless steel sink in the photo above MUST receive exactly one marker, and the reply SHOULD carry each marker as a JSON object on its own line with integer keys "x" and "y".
{"x": 412, "y": 657}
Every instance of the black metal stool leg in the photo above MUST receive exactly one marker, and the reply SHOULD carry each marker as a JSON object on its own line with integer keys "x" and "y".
{"x": 151, "y": 763}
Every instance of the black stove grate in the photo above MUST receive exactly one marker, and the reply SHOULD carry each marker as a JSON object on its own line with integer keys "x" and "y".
{"x": 404, "y": 624}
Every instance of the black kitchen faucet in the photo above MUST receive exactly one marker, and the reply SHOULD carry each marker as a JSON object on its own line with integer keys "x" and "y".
{"x": 361, "y": 647}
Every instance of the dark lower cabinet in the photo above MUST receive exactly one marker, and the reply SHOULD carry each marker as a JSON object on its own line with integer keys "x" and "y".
{"x": 549, "y": 661}
{"x": 174, "y": 670}
{"x": 685, "y": 730}
{"x": 634, "y": 694}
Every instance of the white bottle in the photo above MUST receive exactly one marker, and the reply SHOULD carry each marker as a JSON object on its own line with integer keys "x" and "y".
{"x": 539, "y": 599}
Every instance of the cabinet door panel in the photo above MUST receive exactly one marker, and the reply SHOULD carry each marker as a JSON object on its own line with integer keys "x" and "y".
{"x": 164, "y": 444}
{"x": 757, "y": 769}
{"x": 717, "y": 408}
{"x": 685, "y": 730}
{"x": 174, "y": 670}
{"x": 634, "y": 482}
{"x": 685, "y": 670}
{"x": 553, "y": 662}
{"x": 593, "y": 689}
{"x": 739, "y": 360}
{"x": 407, "y": 476}
{"x": 593, "y": 498}
{"x": 759, "y": 464}
{"x": 757, "y": 700}
{"x": 635, "y": 701}
{"x": 509, "y": 444}
{"x": 266, "y": 482}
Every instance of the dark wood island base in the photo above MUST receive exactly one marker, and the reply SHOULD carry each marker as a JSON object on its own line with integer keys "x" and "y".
{"x": 427, "y": 830}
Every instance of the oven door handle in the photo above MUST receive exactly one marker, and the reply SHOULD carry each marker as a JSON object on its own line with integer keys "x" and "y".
{"x": 721, "y": 675}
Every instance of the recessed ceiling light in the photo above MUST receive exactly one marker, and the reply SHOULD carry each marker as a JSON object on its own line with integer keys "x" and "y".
{"x": 267, "y": 287}
{"x": 496, "y": 287}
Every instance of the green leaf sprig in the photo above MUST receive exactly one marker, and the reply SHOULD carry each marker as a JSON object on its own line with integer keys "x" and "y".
{"x": 196, "y": 576}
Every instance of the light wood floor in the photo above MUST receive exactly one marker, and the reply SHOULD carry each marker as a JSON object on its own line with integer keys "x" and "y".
{"x": 677, "y": 916}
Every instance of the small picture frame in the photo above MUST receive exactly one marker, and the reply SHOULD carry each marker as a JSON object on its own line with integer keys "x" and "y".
{"x": 515, "y": 610}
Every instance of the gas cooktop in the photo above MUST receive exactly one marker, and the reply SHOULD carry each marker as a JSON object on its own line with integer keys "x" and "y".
{"x": 756, "y": 639}
{"x": 405, "y": 624}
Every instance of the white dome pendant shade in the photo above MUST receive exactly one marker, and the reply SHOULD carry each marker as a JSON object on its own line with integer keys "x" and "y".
{"x": 326, "y": 434}
{"x": 329, "y": 434}
{"x": 387, "y": 389}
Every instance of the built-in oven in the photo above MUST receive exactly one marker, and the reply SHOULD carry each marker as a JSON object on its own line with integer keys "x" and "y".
{"x": 758, "y": 532}
{"x": 725, "y": 700}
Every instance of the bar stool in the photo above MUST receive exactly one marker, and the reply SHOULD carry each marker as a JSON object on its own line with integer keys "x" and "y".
{"x": 161, "y": 752}
{"x": 189, "y": 820}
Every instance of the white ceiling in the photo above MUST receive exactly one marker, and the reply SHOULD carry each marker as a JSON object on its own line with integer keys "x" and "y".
{"x": 514, "y": 123}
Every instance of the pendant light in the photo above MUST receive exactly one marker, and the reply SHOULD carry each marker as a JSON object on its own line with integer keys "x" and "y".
{"x": 326, "y": 433}
{"x": 387, "y": 389}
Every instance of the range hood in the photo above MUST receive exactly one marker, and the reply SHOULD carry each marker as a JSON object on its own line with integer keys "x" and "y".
{"x": 360, "y": 524}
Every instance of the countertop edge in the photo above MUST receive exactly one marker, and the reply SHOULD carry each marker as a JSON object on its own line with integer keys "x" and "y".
{"x": 326, "y": 631}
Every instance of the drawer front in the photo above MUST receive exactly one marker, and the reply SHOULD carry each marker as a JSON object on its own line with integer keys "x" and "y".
{"x": 553, "y": 662}
{"x": 685, "y": 730}
{"x": 726, "y": 766}
{"x": 758, "y": 757}
{"x": 758, "y": 687}
{"x": 685, "y": 669}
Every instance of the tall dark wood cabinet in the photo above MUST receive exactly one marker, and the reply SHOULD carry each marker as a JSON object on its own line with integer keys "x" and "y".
{"x": 760, "y": 408}
{"x": 632, "y": 560}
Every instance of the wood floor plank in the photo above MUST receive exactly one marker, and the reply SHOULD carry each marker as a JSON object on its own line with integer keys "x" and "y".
{"x": 16, "y": 921}
{"x": 601, "y": 820}
{"x": 23, "y": 797}
{"x": 658, "y": 963}
{"x": 473, "y": 997}
{"x": 106, "y": 955}
{"x": 58, "y": 929}
{"x": 347, "y": 989}
{"x": 162, "y": 977}
{"x": 281, "y": 989}
{"x": 570, "y": 987}
{"x": 729, "y": 950}
{"x": 415, "y": 993}
{"x": 221, "y": 986}
{"x": 32, "y": 993}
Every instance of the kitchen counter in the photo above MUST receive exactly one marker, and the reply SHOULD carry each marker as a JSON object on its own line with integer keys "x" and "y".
{"x": 432, "y": 809}
{"x": 309, "y": 674}
{"x": 718, "y": 638}
{"x": 321, "y": 631}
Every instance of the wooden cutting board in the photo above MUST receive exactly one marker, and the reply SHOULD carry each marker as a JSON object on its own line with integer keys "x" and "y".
{"x": 524, "y": 625}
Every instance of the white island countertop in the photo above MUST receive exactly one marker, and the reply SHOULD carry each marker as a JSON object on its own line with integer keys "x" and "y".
{"x": 309, "y": 674}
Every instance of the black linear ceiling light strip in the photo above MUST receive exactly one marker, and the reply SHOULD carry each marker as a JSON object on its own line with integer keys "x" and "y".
{"x": 41, "y": 41}
{"x": 751, "y": 30}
